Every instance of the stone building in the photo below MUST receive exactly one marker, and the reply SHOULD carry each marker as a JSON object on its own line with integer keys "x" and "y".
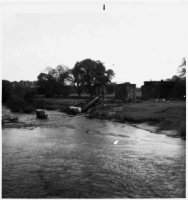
{"x": 125, "y": 92}
{"x": 163, "y": 90}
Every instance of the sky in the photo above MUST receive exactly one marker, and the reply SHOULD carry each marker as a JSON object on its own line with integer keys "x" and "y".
{"x": 140, "y": 41}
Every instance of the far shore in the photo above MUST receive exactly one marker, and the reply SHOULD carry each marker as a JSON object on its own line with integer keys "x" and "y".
{"x": 160, "y": 117}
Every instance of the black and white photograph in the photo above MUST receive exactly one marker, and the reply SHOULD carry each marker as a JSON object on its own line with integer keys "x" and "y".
{"x": 93, "y": 99}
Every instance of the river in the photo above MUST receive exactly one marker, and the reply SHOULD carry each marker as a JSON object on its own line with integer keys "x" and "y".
{"x": 75, "y": 157}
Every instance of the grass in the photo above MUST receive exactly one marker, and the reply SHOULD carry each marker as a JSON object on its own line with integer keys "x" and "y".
{"x": 166, "y": 116}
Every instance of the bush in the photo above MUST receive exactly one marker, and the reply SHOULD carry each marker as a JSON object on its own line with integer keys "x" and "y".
{"x": 49, "y": 95}
{"x": 40, "y": 104}
{"x": 29, "y": 96}
{"x": 28, "y": 109}
{"x": 15, "y": 103}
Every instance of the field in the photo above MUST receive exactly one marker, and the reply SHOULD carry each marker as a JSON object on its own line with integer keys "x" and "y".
{"x": 166, "y": 115}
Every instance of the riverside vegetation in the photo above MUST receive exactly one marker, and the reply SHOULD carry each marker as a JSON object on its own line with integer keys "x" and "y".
{"x": 163, "y": 116}
{"x": 86, "y": 76}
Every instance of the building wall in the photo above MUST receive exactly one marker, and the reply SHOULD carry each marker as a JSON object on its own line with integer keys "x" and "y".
{"x": 125, "y": 92}
{"x": 163, "y": 89}
{"x": 138, "y": 93}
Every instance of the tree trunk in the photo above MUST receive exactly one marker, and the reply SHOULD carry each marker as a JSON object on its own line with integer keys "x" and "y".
{"x": 91, "y": 92}
{"x": 104, "y": 92}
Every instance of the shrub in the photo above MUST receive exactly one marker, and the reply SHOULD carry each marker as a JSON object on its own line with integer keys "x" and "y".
{"x": 28, "y": 109}
{"x": 40, "y": 104}
{"x": 29, "y": 96}
{"x": 15, "y": 103}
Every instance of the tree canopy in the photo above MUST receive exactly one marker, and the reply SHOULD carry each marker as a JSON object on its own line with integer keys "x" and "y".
{"x": 182, "y": 68}
{"x": 90, "y": 74}
{"x": 181, "y": 71}
{"x": 85, "y": 75}
{"x": 6, "y": 90}
{"x": 53, "y": 81}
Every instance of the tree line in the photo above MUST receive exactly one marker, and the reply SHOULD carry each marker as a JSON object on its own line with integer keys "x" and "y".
{"x": 88, "y": 75}
{"x": 181, "y": 71}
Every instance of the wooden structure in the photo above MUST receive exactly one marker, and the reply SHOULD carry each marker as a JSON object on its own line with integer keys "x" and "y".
{"x": 91, "y": 103}
{"x": 9, "y": 119}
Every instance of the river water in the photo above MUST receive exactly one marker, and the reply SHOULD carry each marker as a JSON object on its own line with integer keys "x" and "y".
{"x": 74, "y": 157}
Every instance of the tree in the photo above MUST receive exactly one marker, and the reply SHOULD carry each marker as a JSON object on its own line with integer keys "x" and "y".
{"x": 88, "y": 68}
{"x": 103, "y": 77}
{"x": 78, "y": 78}
{"x": 62, "y": 76}
{"x": 47, "y": 84}
{"x": 42, "y": 80}
{"x": 181, "y": 71}
{"x": 106, "y": 77}
{"x": 6, "y": 90}
{"x": 182, "y": 68}
{"x": 175, "y": 78}
{"x": 84, "y": 76}
{"x": 90, "y": 74}
{"x": 110, "y": 88}
{"x": 180, "y": 80}
{"x": 53, "y": 81}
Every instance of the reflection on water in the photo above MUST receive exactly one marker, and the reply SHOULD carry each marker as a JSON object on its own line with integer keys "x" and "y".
{"x": 74, "y": 157}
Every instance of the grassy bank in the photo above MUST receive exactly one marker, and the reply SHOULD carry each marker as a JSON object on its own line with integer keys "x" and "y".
{"x": 166, "y": 116}
{"x": 163, "y": 116}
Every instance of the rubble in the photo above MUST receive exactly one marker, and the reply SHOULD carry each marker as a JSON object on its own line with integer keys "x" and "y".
{"x": 41, "y": 114}
{"x": 75, "y": 110}
{"x": 9, "y": 119}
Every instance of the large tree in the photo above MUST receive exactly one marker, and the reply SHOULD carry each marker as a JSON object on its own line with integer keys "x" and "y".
{"x": 47, "y": 84}
{"x": 54, "y": 80}
{"x": 62, "y": 77}
{"x": 42, "y": 80}
{"x": 78, "y": 78}
{"x": 90, "y": 74}
{"x": 88, "y": 67}
{"x": 103, "y": 78}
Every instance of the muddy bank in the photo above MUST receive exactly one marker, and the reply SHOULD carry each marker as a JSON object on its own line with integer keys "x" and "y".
{"x": 157, "y": 117}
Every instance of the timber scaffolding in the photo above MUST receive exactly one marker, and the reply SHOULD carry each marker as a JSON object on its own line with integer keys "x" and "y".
{"x": 94, "y": 102}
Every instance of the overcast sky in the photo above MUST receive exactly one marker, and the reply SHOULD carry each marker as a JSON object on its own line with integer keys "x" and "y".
{"x": 139, "y": 41}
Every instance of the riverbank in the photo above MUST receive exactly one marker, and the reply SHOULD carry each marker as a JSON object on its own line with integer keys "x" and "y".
{"x": 155, "y": 116}
{"x": 162, "y": 117}
{"x": 158, "y": 117}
